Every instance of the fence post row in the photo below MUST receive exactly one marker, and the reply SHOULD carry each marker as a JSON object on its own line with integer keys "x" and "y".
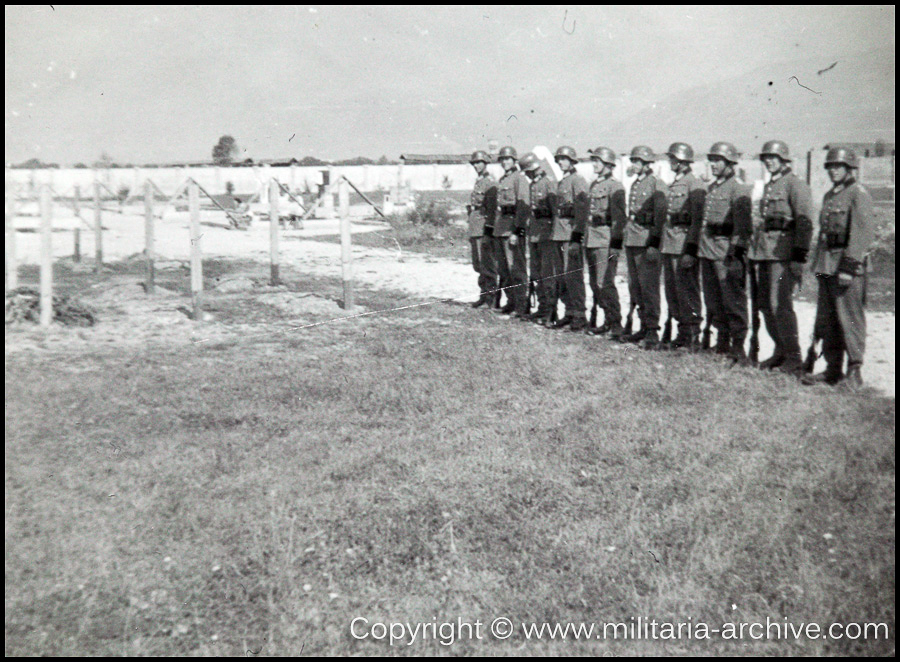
{"x": 150, "y": 246}
{"x": 196, "y": 260}
{"x": 273, "y": 228}
{"x": 346, "y": 252}
{"x": 12, "y": 259}
{"x": 98, "y": 229}
{"x": 46, "y": 289}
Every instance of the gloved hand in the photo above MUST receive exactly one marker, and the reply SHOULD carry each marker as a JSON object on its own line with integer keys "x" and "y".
{"x": 844, "y": 281}
{"x": 688, "y": 261}
{"x": 735, "y": 266}
{"x": 468, "y": 209}
{"x": 653, "y": 254}
{"x": 513, "y": 240}
{"x": 576, "y": 237}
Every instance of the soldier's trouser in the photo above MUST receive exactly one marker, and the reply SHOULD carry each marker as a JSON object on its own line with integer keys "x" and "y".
{"x": 682, "y": 292}
{"x": 559, "y": 264}
{"x": 602, "y": 269}
{"x": 775, "y": 284}
{"x": 484, "y": 264}
{"x": 725, "y": 296}
{"x": 575, "y": 281}
{"x": 513, "y": 270}
{"x": 841, "y": 319}
{"x": 643, "y": 279}
{"x": 542, "y": 274}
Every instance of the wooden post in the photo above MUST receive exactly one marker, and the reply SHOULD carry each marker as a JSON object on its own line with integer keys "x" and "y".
{"x": 12, "y": 260}
{"x": 196, "y": 262}
{"x": 343, "y": 198}
{"x": 273, "y": 228}
{"x": 98, "y": 229}
{"x": 76, "y": 238}
{"x": 149, "y": 239}
{"x": 346, "y": 253}
{"x": 328, "y": 202}
{"x": 46, "y": 256}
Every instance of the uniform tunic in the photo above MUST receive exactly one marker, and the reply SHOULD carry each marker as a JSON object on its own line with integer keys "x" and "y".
{"x": 540, "y": 230}
{"x": 685, "y": 200}
{"x": 605, "y": 227}
{"x": 482, "y": 210}
{"x": 646, "y": 216}
{"x": 572, "y": 209}
{"x": 781, "y": 235}
{"x": 846, "y": 233}
{"x": 720, "y": 239}
{"x": 513, "y": 210}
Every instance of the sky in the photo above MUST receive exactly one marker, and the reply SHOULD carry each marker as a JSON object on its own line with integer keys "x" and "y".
{"x": 161, "y": 84}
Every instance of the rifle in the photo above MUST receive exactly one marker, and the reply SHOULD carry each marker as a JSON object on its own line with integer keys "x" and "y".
{"x": 629, "y": 320}
{"x": 667, "y": 330}
{"x": 754, "y": 311}
{"x": 707, "y": 335}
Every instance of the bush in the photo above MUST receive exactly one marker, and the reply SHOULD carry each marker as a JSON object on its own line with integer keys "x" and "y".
{"x": 434, "y": 212}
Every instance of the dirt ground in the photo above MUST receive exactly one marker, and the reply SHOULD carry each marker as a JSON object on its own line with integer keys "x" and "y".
{"x": 417, "y": 274}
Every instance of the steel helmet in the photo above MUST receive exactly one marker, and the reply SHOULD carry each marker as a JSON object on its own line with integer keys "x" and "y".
{"x": 841, "y": 155}
{"x": 643, "y": 153}
{"x": 604, "y": 154}
{"x": 480, "y": 155}
{"x": 529, "y": 162}
{"x": 566, "y": 152}
{"x": 724, "y": 150}
{"x": 681, "y": 152}
{"x": 507, "y": 153}
{"x": 777, "y": 148}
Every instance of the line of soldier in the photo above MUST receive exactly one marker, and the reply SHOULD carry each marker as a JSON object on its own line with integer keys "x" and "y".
{"x": 686, "y": 234}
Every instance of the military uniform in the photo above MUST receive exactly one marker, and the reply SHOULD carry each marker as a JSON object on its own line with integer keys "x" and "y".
{"x": 781, "y": 236}
{"x": 684, "y": 204}
{"x": 540, "y": 233}
{"x": 604, "y": 232}
{"x": 722, "y": 235}
{"x": 513, "y": 209}
{"x": 646, "y": 215}
{"x": 482, "y": 211}
{"x": 572, "y": 208}
{"x": 846, "y": 232}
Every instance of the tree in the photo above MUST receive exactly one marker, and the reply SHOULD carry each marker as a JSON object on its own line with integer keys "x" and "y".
{"x": 225, "y": 151}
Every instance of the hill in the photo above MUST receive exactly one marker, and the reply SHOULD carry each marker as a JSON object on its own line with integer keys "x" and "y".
{"x": 807, "y": 102}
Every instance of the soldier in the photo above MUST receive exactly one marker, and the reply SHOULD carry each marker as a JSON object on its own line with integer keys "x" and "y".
{"x": 685, "y": 199}
{"x": 604, "y": 240}
{"x": 572, "y": 208}
{"x": 482, "y": 208}
{"x": 510, "y": 230}
{"x": 846, "y": 233}
{"x": 542, "y": 195}
{"x": 643, "y": 235}
{"x": 777, "y": 254}
{"x": 720, "y": 240}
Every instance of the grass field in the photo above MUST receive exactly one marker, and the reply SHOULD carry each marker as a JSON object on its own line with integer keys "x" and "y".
{"x": 252, "y": 496}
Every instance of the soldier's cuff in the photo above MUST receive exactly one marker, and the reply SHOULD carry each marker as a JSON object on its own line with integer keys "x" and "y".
{"x": 799, "y": 255}
{"x": 848, "y": 265}
{"x": 654, "y": 242}
{"x": 616, "y": 243}
{"x": 691, "y": 249}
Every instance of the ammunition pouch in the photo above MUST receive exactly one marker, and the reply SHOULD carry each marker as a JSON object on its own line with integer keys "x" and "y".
{"x": 566, "y": 211}
{"x": 601, "y": 221}
{"x": 644, "y": 220}
{"x": 508, "y": 210}
{"x": 680, "y": 219}
{"x": 720, "y": 229}
{"x": 777, "y": 223}
{"x": 543, "y": 213}
{"x": 836, "y": 240}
